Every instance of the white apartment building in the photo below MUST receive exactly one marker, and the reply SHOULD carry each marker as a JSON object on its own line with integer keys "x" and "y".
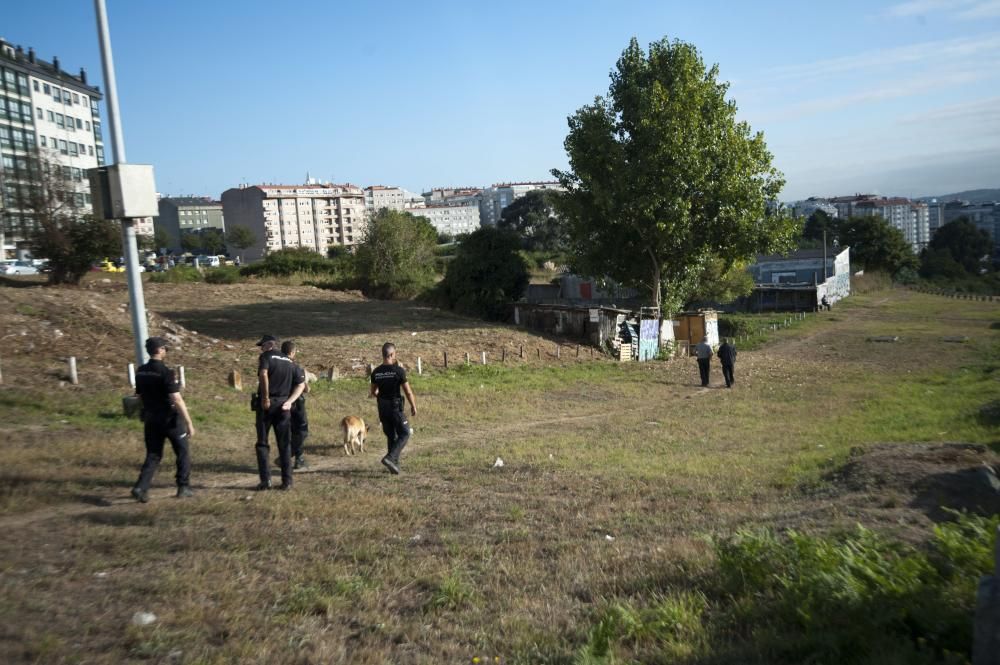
{"x": 809, "y": 206}
{"x": 910, "y": 217}
{"x": 282, "y": 216}
{"x": 494, "y": 199}
{"x": 45, "y": 108}
{"x": 380, "y": 196}
{"x": 450, "y": 219}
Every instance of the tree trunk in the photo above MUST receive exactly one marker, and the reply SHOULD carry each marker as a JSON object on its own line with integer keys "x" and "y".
{"x": 656, "y": 278}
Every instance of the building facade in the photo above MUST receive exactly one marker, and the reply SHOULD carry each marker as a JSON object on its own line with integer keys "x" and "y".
{"x": 44, "y": 110}
{"x": 179, "y": 215}
{"x": 493, "y": 200}
{"x": 315, "y": 217}
{"x": 451, "y": 219}
{"x": 799, "y": 281}
{"x": 913, "y": 218}
{"x": 380, "y": 196}
{"x": 985, "y": 216}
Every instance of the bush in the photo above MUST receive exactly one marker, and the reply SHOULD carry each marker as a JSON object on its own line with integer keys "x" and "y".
{"x": 177, "y": 275}
{"x": 223, "y": 275}
{"x": 286, "y": 262}
{"x": 396, "y": 258}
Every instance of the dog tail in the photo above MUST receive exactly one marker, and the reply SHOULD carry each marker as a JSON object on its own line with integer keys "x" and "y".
{"x": 343, "y": 425}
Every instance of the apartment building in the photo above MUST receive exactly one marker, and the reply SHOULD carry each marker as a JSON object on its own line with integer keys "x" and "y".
{"x": 450, "y": 219}
{"x": 910, "y": 217}
{"x": 494, "y": 199}
{"x": 283, "y": 216}
{"x": 180, "y": 215}
{"x": 47, "y": 109}
{"x": 380, "y": 196}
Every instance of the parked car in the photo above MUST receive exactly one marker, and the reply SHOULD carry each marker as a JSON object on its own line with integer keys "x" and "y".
{"x": 209, "y": 261}
{"x": 109, "y": 266}
{"x": 19, "y": 268}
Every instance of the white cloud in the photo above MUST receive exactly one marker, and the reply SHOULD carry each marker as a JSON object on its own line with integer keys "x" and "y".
{"x": 963, "y": 48}
{"x": 960, "y": 9}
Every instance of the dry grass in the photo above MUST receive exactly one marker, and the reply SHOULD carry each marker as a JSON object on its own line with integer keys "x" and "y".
{"x": 454, "y": 559}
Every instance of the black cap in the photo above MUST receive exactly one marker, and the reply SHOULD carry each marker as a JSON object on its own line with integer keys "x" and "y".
{"x": 154, "y": 344}
{"x": 267, "y": 338}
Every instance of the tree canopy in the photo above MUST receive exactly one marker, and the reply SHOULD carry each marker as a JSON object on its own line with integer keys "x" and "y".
{"x": 487, "y": 274}
{"x": 396, "y": 256}
{"x": 240, "y": 237}
{"x": 533, "y": 219}
{"x": 875, "y": 244}
{"x": 663, "y": 178}
{"x": 964, "y": 242}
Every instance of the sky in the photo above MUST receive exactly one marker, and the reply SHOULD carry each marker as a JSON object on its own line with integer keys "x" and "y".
{"x": 897, "y": 98}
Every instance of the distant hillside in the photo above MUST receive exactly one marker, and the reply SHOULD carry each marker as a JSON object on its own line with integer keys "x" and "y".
{"x": 971, "y": 195}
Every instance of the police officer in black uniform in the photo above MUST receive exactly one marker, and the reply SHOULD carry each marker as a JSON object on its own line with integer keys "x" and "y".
{"x": 387, "y": 381}
{"x": 165, "y": 416}
{"x": 278, "y": 387}
{"x": 300, "y": 421}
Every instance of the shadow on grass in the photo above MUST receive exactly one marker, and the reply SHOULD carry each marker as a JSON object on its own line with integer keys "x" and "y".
{"x": 292, "y": 318}
{"x": 121, "y": 519}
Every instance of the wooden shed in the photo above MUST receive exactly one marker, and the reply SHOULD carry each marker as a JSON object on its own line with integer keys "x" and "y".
{"x": 691, "y": 327}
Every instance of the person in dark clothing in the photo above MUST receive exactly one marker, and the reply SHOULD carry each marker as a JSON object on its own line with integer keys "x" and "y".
{"x": 703, "y": 352}
{"x": 727, "y": 358}
{"x": 165, "y": 416}
{"x": 278, "y": 387}
{"x": 388, "y": 379}
{"x": 299, "y": 419}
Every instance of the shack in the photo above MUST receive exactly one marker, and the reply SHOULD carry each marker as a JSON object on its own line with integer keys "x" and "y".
{"x": 799, "y": 281}
{"x": 624, "y": 333}
{"x": 691, "y": 327}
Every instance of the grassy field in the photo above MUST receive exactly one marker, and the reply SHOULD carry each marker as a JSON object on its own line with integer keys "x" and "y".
{"x": 616, "y": 480}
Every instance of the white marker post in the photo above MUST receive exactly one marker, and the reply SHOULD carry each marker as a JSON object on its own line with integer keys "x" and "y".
{"x": 131, "y": 374}
{"x": 72, "y": 371}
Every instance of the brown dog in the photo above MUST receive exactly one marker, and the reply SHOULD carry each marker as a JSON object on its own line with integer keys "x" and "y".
{"x": 355, "y": 431}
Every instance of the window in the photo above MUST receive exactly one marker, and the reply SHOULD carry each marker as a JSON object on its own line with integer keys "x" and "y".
{"x": 44, "y": 141}
{"x": 18, "y": 137}
{"x": 56, "y": 94}
{"x": 51, "y": 116}
{"x": 73, "y": 149}
{"x": 46, "y": 89}
{"x": 35, "y": 85}
{"x": 83, "y": 149}
{"x": 62, "y": 147}
{"x": 8, "y": 163}
{"x": 76, "y": 98}
{"x": 85, "y": 102}
{"x": 90, "y": 150}
{"x": 86, "y": 125}
{"x": 41, "y": 114}
{"x": 79, "y": 123}
{"x": 60, "y": 121}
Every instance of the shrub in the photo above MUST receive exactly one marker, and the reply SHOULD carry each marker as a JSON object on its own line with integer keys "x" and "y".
{"x": 177, "y": 275}
{"x": 285, "y": 262}
{"x": 223, "y": 275}
{"x": 396, "y": 258}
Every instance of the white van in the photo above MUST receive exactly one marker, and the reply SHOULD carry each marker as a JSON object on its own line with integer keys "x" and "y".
{"x": 206, "y": 261}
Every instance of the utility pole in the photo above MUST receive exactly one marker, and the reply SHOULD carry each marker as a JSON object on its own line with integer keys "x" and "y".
{"x": 137, "y": 303}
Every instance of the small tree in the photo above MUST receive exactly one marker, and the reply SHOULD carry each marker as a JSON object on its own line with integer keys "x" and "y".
{"x": 240, "y": 237}
{"x": 396, "y": 256}
{"x": 54, "y": 223}
{"x": 190, "y": 242}
{"x": 486, "y": 275}
{"x": 213, "y": 241}
{"x": 161, "y": 239}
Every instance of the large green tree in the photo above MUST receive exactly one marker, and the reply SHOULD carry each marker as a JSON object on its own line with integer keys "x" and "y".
{"x": 663, "y": 178}
{"x": 967, "y": 244}
{"x": 396, "y": 256}
{"x": 533, "y": 219}
{"x": 875, "y": 244}
{"x": 487, "y": 273}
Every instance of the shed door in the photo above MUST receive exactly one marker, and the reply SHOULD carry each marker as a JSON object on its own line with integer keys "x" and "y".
{"x": 586, "y": 290}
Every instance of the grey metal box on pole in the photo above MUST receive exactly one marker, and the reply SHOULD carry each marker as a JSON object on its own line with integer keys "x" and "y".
{"x": 123, "y": 191}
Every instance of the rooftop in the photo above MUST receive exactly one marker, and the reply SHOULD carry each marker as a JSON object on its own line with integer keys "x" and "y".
{"x": 50, "y": 70}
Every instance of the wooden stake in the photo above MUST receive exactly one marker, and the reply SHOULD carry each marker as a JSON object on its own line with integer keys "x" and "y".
{"x": 72, "y": 371}
{"x": 420, "y": 365}
{"x": 131, "y": 374}
{"x": 539, "y": 353}
{"x": 503, "y": 355}
{"x": 522, "y": 352}
{"x": 484, "y": 357}
{"x": 557, "y": 351}
{"x": 466, "y": 357}
{"x": 180, "y": 370}
{"x": 446, "y": 360}
{"x": 577, "y": 350}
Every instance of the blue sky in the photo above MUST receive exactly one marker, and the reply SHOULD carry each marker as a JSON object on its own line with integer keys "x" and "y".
{"x": 899, "y": 97}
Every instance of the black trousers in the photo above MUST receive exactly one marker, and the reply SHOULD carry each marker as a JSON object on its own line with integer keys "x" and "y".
{"x": 395, "y": 426}
{"x": 299, "y": 425}
{"x": 156, "y": 431}
{"x": 703, "y": 367}
{"x": 281, "y": 422}
{"x": 727, "y": 374}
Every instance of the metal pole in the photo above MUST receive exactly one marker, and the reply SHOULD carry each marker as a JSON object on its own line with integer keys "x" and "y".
{"x": 137, "y": 303}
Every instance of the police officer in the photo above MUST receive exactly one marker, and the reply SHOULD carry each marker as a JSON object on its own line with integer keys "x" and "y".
{"x": 299, "y": 421}
{"x": 278, "y": 387}
{"x": 727, "y": 357}
{"x": 387, "y": 381}
{"x": 165, "y": 416}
